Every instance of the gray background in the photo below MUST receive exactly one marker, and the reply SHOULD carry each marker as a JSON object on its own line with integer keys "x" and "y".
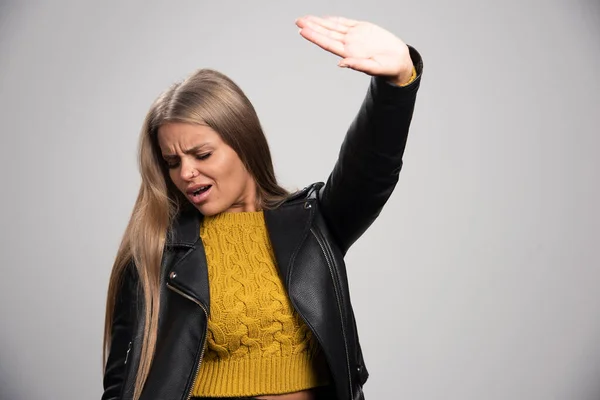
{"x": 479, "y": 281}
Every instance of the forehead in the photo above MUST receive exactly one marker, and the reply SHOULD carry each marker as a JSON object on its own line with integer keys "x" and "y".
{"x": 181, "y": 135}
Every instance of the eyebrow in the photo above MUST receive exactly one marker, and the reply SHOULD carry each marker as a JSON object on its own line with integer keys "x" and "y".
{"x": 188, "y": 151}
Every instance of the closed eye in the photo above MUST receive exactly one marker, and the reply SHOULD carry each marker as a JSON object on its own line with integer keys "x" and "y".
{"x": 173, "y": 161}
{"x": 203, "y": 156}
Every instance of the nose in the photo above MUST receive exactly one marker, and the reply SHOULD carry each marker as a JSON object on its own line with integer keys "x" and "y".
{"x": 188, "y": 171}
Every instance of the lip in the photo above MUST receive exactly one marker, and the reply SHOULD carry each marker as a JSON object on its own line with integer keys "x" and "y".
{"x": 190, "y": 190}
{"x": 201, "y": 198}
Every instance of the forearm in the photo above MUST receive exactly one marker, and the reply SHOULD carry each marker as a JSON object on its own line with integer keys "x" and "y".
{"x": 370, "y": 157}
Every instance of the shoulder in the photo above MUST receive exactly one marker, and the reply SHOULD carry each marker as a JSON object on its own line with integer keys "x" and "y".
{"x": 307, "y": 193}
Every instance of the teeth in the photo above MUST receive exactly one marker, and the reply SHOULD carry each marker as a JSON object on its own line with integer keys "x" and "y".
{"x": 196, "y": 192}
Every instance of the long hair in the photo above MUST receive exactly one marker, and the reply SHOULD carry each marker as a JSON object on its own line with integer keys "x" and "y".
{"x": 206, "y": 97}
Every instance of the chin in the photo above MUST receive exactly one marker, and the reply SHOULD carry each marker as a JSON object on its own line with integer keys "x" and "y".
{"x": 208, "y": 210}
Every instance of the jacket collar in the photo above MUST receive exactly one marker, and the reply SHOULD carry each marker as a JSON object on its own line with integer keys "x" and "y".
{"x": 185, "y": 228}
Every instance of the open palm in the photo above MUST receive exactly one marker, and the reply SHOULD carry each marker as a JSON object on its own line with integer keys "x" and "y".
{"x": 363, "y": 46}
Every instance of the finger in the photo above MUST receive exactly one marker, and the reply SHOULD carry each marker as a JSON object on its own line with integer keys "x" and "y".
{"x": 366, "y": 65}
{"x": 308, "y": 23}
{"x": 328, "y": 23}
{"x": 341, "y": 21}
{"x": 325, "y": 42}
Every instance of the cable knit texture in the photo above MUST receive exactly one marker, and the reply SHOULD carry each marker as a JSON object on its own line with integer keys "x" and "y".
{"x": 256, "y": 343}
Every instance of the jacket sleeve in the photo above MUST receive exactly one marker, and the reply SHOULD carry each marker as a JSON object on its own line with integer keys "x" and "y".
{"x": 122, "y": 333}
{"x": 370, "y": 158}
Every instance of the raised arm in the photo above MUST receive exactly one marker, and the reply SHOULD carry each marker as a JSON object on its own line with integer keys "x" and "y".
{"x": 370, "y": 157}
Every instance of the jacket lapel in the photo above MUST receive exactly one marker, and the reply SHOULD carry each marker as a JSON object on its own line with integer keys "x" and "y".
{"x": 288, "y": 226}
{"x": 187, "y": 271}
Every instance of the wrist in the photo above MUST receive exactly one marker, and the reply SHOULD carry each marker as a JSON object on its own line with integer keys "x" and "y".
{"x": 405, "y": 77}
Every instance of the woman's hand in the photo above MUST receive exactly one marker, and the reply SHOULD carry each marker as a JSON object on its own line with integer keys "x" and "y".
{"x": 363, "y": 46}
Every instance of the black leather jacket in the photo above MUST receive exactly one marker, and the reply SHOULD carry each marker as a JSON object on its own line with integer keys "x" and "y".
{"x": 310, "y": 234}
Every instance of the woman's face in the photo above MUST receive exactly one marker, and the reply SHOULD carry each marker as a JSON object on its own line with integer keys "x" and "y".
{"x": 205, "y": 169}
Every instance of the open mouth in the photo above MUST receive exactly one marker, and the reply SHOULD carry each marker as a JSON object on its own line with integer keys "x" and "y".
{"x": 200, "y": 194}
{"x": 201, "y": 190}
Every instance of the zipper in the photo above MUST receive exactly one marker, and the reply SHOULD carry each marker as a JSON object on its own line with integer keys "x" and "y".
{"x": 126, "y": 373}
{"x": 127, "y": 354}
{"x": 189, "y": 395}
{"x": 339, "y": 303}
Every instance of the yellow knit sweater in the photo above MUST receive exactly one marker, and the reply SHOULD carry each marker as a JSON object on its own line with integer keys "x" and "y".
{"x": 256, "y": 343}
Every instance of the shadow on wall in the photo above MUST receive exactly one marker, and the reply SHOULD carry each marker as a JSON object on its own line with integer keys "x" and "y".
{"x": 9, "y": 380}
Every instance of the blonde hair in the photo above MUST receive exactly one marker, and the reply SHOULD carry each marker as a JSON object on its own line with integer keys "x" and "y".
{"x": 206, "y": 97}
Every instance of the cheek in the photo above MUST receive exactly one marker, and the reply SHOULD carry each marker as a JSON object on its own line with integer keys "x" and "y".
{"x": 235, "y": 174}
{"x": 238, "y": 179}
{"x": 228, "y": 173}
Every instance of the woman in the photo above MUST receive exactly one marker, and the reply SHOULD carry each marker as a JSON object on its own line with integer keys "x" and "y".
{"x": 228, "y": 286}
